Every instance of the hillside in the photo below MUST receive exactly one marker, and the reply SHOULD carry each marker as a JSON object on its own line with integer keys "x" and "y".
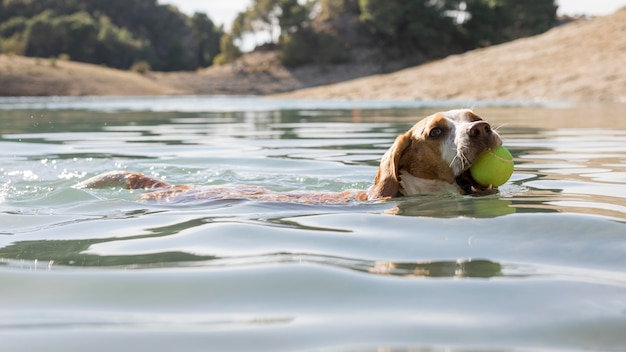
{"x": 581, "y": 61}
{"x": 257, "y": 73}
{"x": 25, "y": 76}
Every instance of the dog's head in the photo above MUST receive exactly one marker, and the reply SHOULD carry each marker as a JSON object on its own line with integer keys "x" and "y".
{"x": 434, "y": 156}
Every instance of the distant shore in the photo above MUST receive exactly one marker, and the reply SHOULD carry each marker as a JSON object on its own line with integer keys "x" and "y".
{"x": 580, "y": 61}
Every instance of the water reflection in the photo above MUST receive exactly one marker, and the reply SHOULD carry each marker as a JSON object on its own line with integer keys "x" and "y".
{"x": 454, "y": 206}
{"x": 76, "y": 253}
{"x": 574, "y": 170}
{"x": 457, "y": 269}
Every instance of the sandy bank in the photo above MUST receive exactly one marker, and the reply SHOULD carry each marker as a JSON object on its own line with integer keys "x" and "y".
{"x": 26, "y": 76}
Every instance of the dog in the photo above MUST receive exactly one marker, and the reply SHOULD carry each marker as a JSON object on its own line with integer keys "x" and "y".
{"x": 434, "y": 156}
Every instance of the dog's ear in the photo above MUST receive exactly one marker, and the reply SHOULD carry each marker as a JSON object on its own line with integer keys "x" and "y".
{"x": 386, "y": 182}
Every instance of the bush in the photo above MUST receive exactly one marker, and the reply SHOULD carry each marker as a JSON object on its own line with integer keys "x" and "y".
{"x": 307, "y": 46}
{"x": 294, "y": 51}
{"x": 141, "y": 67}
{"x": 14, "y": 25}
{"x": 221, "y": 59}
{"x": 330, "y": 49}
{"x": 229, "y": 52}
{"x": 13, "y": 45}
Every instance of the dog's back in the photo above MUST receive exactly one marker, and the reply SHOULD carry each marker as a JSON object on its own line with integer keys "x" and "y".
{"x": 162, "y": 191}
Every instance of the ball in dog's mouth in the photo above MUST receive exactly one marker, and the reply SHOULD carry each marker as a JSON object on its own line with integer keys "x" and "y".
{"x": 469, "y": 186}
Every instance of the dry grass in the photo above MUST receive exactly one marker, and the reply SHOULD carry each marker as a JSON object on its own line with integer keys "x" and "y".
{"x": 25, "y": 76}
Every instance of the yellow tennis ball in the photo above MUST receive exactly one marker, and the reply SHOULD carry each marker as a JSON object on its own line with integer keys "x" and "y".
{"x": 493, "y": 167}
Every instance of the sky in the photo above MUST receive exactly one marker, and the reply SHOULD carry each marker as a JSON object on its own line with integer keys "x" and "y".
{"x": 224, "y": 11}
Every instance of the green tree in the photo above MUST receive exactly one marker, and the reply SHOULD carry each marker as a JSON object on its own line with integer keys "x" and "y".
{"x": 13, "y": 25}
{"x": 208, "y": 38}
{"x": 300, "y": 43}
{"x": 229, "y": 51}
{"x": 532, "y": 16}
{"x": 293, "y": 16}
{"x": 241, "y": 25}
{"x": 11, "y": 35}
{"x": 409, "y": 26}
{"x": 273, "y": 16}
{"x": 117, "y": 47}
{"x": 261, "y": 16}
{"x": 41, "y": 37}
{"x": 79, "y": 33}
{"x": 133, "y": 30}
{"x": 264, "y": 16}
{"x": 497, "y": 21}
{"x": 335, "y": 8}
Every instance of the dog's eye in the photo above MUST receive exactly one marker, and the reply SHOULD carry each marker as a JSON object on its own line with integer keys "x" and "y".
{"x": 435, "y": 132}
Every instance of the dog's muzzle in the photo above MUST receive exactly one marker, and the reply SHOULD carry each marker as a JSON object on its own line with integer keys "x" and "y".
{"x": 482, "y": 137}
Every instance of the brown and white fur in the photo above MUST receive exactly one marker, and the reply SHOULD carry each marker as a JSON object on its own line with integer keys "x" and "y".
{"x": 433, "y": 156}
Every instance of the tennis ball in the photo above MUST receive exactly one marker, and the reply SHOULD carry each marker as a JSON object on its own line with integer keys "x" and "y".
{"x": 493, "y": 167}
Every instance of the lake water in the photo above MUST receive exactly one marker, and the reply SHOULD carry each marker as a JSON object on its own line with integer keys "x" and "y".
{"x": 540, "y": 266}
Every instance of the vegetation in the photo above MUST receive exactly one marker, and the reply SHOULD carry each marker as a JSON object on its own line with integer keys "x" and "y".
{"x": 145, "y": 35}
{"x": 326, "y": 31}
{"x": 495, "y": 22}
{"x": 299, "y": 41}
{"x": 115, "y": 33}
{"x": 229, "y": 51}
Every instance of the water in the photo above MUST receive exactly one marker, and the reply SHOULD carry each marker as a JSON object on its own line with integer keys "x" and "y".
{"x": 540, "y": 266}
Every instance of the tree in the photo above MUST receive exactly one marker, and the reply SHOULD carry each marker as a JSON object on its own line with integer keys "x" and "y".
{"x": 11, "y": 35}
{"x": 293, "y": 16}
{"x": 497, "y": 21}
{"x": 335, "y": 8}
{"x": 207, "y": 37}
{"x": 261, "y": 16}
{"x": 117, "y": 47}
{"x": 276, "y": 17}
{"x": 111, "y": 32}
{"x": 409, "y": 26}
{"x": 80, "y": 35}
{"x": 41, "y": 37}
{"x": 229, "y": 52}
{"x": 532, "y": 16}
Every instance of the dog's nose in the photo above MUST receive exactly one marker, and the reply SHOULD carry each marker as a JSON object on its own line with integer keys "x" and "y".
{"x": 479, "y": 129}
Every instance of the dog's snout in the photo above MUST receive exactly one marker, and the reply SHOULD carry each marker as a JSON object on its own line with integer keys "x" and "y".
{"x": 479, "y": 129}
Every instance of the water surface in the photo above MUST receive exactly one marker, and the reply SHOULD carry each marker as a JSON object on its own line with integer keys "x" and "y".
{"x": 540, "y": 266}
